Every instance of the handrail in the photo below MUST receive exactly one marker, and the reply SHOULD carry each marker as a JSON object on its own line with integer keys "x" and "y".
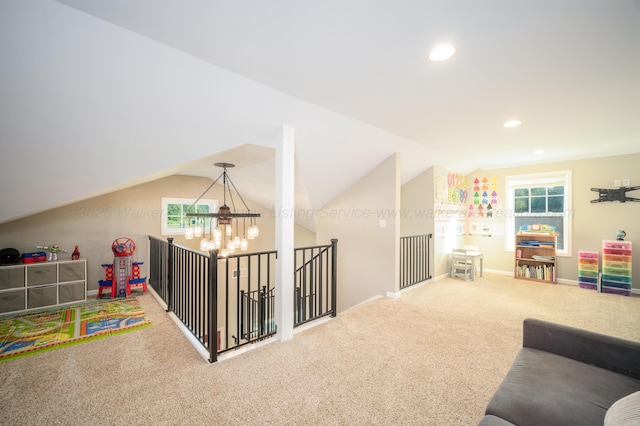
{"x": 327, "y": 247}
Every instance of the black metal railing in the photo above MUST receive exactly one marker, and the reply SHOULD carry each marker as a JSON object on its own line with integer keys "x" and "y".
{"x": 246, "y": 291}
{"x": 193, "y": 293}
{"x": 257, "y": 313}
{"x": 315, "y": 282}
{"x": 206, "y": 293}
{"x": 159, "y": 273}
{"x": 414, "y": 259}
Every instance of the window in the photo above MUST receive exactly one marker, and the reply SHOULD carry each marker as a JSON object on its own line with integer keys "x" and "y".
{"x": 174, "y": 210}
{"x": 543, "y": 198}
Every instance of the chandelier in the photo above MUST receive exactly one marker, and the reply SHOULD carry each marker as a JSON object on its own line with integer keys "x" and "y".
{"x": 227, "y": 235}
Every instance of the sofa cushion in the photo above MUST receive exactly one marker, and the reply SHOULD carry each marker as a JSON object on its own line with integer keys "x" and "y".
{"x": 542, "y": 388}
{"x": 624, "y": 412}
{"x": 494, "y": 421}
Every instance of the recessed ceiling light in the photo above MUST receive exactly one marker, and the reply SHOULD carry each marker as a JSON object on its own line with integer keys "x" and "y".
{"x": 538, "y": 151}
{"x": 512, "y": 123}
{"x": 442, "y": 53}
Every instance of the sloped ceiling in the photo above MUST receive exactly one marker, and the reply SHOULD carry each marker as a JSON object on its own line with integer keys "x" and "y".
{"x": 97, "y": 95}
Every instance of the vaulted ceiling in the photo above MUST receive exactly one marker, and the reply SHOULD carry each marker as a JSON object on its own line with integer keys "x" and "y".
{"x": 97, "y": 95}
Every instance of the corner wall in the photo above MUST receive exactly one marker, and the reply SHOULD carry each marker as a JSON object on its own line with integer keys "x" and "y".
{"x": 418, "y": 212}
{"x": 367, "y": 251}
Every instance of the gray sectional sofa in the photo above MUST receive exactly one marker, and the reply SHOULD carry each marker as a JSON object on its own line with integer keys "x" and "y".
{"x": 568, "y": 376}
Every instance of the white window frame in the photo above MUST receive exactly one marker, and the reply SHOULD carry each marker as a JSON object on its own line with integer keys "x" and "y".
{"x": 165, "y": 230}
{"x": 539, "y": 179}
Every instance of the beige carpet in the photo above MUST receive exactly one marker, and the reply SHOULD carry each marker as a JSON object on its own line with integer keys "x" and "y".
{"x": 434, "y": 356}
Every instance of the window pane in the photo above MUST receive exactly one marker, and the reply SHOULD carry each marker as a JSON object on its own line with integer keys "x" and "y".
{"x": 522, "y": 205}
{"x": 521, "y": 192}
{"x": 173, "y": 209}
{"x": 538, "y": 205}
{"x": 200, "y": 208}
{"x": 173, "y": 216}
{"x": 173, "y": 222}
{"x": 538, "y": 192}
{"x": 556, "y": 204}
{"x": 556, "y": 190}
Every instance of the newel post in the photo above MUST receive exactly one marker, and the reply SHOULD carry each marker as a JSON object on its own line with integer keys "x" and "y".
{"x": 169, "y": 274}
{"x": 213, "y": 306}
{"x": 334, "y": 277}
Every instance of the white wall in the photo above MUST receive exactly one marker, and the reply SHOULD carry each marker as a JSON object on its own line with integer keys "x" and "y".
{"x": 418, "y": 213}
{"x": 367, "y": 252}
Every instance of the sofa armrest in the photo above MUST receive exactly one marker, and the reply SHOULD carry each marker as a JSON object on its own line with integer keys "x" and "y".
{"x": 611, "y": 353}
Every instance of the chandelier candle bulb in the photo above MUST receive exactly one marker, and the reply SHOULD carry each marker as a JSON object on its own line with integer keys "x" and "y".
{"x": 197, "y": 231}
{"x": 188, "y": 233}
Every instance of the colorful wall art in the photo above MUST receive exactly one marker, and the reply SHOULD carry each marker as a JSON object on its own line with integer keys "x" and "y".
{"x": 451, "y": 187}
{"x": 485, "y": 197}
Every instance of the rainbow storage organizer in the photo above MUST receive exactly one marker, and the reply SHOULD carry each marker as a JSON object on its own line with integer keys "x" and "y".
{"x": 616, "y": 267}
{"x": 588, "y": 269}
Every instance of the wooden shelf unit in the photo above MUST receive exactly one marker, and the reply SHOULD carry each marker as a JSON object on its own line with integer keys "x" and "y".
{"x": 527, "y": 266}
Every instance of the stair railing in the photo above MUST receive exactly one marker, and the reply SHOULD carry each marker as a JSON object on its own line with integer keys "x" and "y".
{"x": 315, "y": 289}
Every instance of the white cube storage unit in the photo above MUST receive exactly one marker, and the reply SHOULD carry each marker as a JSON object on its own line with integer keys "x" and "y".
{"x": 616, "y": 267}
{"x": 38, "y": 285}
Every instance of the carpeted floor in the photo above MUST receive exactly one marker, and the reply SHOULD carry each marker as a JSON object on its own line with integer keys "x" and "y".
{"x": 433, "y": 356}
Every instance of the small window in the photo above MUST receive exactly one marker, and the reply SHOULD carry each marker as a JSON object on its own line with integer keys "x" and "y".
{"x": 540, "y": 199}
{"x": 174, "y": 214}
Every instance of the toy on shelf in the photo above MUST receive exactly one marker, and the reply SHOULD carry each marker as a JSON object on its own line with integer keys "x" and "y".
{"x": 123, "y": 274}
{"x": 53, "y": 251}
{"x": 537, "y": 229}
{"x": 76, "y": 254}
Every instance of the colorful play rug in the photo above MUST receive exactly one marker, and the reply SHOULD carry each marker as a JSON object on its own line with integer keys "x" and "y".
{"x": 43, "y": 330}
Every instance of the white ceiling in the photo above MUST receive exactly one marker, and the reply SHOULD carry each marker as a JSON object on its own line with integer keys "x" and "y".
{"x": 569, "y": 69}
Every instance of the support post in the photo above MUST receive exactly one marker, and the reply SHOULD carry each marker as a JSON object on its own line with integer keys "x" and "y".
{"x": 285, "y": 174}
{"x": 212, "y": 307}
{"x": 169, "y": 274}
{"x": 334, "y": 277}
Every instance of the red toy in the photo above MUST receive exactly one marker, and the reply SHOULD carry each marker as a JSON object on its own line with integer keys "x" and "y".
{"x": 76, "y": 254}
{"x": 123, "y": 274}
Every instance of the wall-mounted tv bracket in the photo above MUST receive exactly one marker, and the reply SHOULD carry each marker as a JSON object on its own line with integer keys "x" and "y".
{"x": 617, "y": 194}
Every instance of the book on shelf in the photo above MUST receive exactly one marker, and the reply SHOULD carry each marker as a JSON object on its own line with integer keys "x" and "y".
{"x": 538, "y": 257}
{"x": 540, "y": 272}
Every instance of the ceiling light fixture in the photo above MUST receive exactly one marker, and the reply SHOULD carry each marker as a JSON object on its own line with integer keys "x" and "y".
{"x": 442, "y": 53}
{"x": 224, "y": 235}
{"x": 538, "y": 151}
{"x": 512, "y": 123}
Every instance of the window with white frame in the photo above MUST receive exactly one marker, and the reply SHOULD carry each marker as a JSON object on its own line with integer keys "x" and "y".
{"x": 174, "y": 214}
{"x": 541, "y": 198}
